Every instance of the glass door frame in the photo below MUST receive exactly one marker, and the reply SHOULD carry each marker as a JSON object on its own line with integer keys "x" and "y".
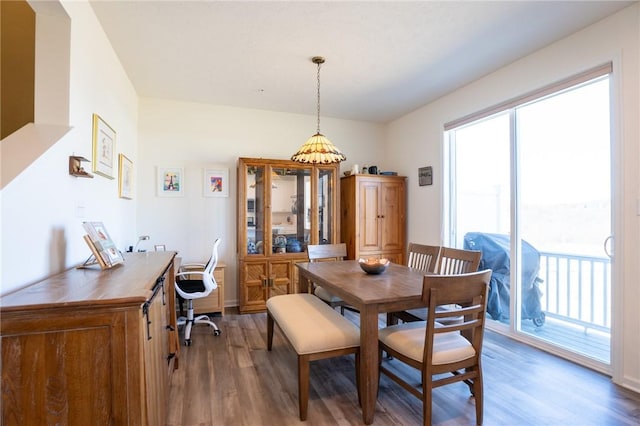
{"x": 449, "y": 237}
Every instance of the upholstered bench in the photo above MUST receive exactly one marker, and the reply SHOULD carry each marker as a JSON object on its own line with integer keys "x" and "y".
{"x": 315, "y": 331}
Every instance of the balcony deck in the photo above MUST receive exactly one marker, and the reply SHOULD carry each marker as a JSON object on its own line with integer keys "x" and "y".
{"x": 575, "y": 295}
{"x": 588, "y": 342}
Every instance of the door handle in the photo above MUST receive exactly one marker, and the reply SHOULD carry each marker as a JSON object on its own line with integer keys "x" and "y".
{"x": 607, "y": 244}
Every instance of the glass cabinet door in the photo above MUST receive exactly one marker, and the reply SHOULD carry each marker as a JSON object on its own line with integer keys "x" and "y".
{"x": 254, "y": 209}
{"x": 285, "y": 206}
{"x": 290, "y": 209}
{"x": 327, "y": 209}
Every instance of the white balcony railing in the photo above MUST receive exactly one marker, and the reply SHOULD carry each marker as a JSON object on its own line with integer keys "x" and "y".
{"x": 576, "y": 289}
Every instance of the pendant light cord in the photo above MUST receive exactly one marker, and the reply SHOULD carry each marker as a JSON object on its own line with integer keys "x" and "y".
{"x": 318, "y": 97}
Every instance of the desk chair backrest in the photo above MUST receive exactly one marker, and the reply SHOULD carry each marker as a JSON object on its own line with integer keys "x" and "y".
{"x": 324, "y": 252}
{"x": 213, "y": 262}
{"x": 457, "y": 261}
{"x": 423, "y": 257}
{"x": 197, "y": 284}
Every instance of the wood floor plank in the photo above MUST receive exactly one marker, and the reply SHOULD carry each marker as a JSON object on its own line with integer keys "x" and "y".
{"x": 233, "y": 380}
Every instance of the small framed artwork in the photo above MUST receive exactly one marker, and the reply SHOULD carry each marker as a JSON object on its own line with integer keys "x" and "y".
{"x": 125, "y": 177}
{"x": 425, "y": 176}
{"x": 160, "y": 247}
{"x": 216, "y": 182}
{"x": 170, "y": 182}
{"x": 104, "y": 145}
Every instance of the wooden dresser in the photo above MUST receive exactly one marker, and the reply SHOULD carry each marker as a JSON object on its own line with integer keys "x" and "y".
{"x": 373, "y": 216}
{"x": 91, "y": 347}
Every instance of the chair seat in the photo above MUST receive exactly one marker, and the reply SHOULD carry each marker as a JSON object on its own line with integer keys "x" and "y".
{"x": 326, "y": 296}
{"x": 408, "y": 339}
{"x": 191, "y": 286}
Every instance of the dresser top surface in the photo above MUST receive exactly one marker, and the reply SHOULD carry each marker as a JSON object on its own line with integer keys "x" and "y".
{"x": 129, "y": 283}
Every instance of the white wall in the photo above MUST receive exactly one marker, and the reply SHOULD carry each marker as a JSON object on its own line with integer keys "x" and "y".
{"x": 420, "y": 133}
{"x": 198, "y": 136}
{"x": 40, "y": 219}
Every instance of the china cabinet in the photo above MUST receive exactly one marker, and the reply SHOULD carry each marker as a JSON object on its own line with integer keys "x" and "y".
{"x": 282, "y": 207}
{"x": 373, "y": 216}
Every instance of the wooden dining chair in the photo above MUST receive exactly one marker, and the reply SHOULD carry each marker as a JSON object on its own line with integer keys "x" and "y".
{"x": 328, "y": 253}
{"x": 425, "y": 258}
{"x": 443, "y": 353}
{"x": 457, "y": 261}
{"x": 451, "y": 261}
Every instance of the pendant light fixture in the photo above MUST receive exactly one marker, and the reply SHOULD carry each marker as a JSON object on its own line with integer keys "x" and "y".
{"x": 318, "y": 149}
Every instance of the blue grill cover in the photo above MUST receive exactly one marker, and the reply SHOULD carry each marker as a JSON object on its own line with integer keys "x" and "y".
{"x": 496, "y": 256}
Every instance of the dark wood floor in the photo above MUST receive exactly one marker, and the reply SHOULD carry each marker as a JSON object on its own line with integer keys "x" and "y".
{"x": 233, "y": 380}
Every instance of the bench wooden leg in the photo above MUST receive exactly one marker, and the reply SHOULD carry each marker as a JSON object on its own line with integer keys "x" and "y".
{"x": 269, "y": 331}
{"x": 303, "y": 385}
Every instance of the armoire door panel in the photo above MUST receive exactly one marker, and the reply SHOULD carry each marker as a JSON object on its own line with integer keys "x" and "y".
{"x": 369, "y": 216}
{"x": 391, "y": 207}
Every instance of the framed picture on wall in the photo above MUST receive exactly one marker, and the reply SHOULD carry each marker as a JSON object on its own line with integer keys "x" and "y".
{"x": 104, "y": 145}
{"x": 216, "y": 182}
{"x": 125, "y": 177}
{"x": 170, "y": 182}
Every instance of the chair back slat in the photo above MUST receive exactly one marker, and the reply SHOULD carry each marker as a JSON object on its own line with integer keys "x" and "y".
{"x": 454, "y": 261}
{"x": 423, "y": 257}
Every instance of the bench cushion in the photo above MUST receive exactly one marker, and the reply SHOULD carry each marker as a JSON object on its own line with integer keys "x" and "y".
{"x": 311, "y": 325}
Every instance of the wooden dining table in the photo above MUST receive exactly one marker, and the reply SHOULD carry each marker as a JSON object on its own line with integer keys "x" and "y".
{"x": 398, "y": 288}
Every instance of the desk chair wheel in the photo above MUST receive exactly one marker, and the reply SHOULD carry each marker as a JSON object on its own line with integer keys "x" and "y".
{"x": 216, "y": 332}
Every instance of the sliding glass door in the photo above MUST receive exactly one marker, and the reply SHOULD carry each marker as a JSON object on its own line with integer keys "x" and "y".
{"x": 530, "y": 186}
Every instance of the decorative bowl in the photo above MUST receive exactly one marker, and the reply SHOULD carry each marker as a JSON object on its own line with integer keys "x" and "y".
{"x": 373, "y": 266}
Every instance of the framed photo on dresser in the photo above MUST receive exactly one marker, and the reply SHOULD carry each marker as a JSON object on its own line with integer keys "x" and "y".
{"x": 102, "y": 246}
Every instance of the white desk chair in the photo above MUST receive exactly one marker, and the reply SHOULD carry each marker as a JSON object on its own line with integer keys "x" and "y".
{"x": 190, "y": 289}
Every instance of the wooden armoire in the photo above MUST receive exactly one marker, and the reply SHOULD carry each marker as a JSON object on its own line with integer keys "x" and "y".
{"x": 373, "y": 216}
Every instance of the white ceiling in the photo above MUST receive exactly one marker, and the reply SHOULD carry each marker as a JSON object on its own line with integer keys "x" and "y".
{"x": 383, "y": 58}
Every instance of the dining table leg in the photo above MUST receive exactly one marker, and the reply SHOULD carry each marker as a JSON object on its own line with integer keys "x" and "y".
{"x": 368, "y": 361}
{"x": 303, "y": 284}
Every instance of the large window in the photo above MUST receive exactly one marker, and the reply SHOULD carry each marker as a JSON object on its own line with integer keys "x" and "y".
{"x": 529, "y": 185}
